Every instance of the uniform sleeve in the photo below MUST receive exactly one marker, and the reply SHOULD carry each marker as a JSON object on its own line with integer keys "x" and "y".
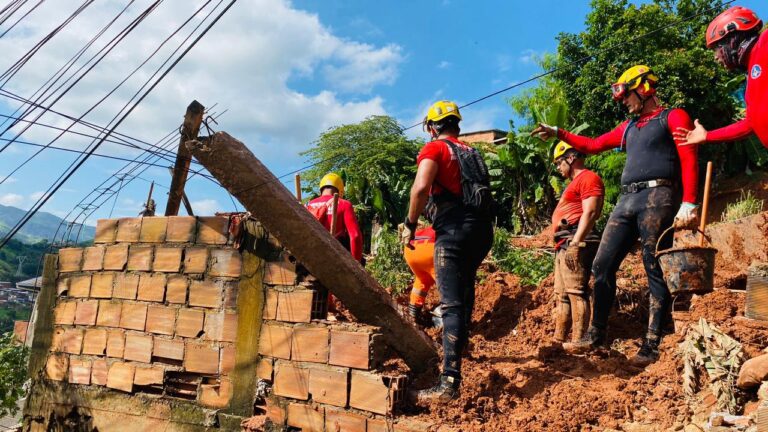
{"x": 592, "y": 186}
{"x": 689, "y": 155}
{"x": 353, "y": 229}
{"x": 431, "y": 150}
{"x": 589, "y": 145}
{"x": 734, "y": 132}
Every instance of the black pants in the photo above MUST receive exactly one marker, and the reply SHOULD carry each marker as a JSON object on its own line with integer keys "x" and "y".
{"x": 462, "y": 242}
{"x": 645, "y": 214}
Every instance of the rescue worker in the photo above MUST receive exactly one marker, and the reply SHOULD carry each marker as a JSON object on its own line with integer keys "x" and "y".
{"x": 421, "y": 259}
{"x": 658, "y": 172}
{"x": 576, "y": 244}
{"x": 347, "y": 229}
{"x": 735, "y": 37}
{"x": 463, "y": 235}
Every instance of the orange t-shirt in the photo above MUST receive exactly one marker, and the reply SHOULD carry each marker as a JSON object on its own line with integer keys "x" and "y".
{"x": 586, "y": 185}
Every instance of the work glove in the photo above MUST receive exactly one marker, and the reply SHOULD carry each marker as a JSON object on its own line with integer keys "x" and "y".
{"x": 572, "y": 256}
{"x": 407, "y": 232}
{"x": 545, "y": 131}
{"x": 687, "y": 216}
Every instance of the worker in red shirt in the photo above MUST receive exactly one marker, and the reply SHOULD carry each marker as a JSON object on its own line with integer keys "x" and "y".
{"x": 421, "y": 259}
{"x": 575, "y": 242}
{"x": 463, "y": 232}
{"x": 658, "y": 173}
{"x": 347, "y": 229}
{"x": 735, "y": 37}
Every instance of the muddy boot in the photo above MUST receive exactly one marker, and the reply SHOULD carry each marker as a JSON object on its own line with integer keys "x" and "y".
{"x": 562, "y": 319}
{"x": 648, "y": 353}
{"x": 594, "y": 340}
{"x": 446, "y": 390}
{"x": 414, "y": 311}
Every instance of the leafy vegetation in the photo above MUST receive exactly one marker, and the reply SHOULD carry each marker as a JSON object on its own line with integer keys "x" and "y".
{"x": 531, "y": 265}
{"x": 11, "y": 313}
{"x": 13, "y": 373}
{"x": 9, "y": 260}
{"x": 746, "y": 206}
{"x": 388, "y": 265}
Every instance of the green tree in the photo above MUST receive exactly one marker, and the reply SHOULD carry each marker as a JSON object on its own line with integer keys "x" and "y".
{"x": 13, "y": 373}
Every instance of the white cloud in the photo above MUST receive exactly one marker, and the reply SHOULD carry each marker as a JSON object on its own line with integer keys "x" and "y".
{"x": 529, "y": 56}
{"x": 11, "y": 199}
{"x": 7, "y": 180}
{"x": 36, "y": 195}
{"x": 444, "y": 64}
{"x": 206, "y": 207}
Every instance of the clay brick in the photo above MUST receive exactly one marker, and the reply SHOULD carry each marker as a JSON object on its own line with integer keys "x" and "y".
{"x": 149, "y": 376}
{"x": 109, "y": 314}
{"x": 216, "y": 395}
{"x": 138, "y": 347}
{"x": 200, "y": 358}
{"x": 79, "y": 371}
{"x": 120, "y": 376}
{"x": 212, "y": 230}
{"x": 80, "y": 286}
{"x": 275, "y": 341}
{"x": 195, "y": 260}
{"x": 181, "y": 229}
{"x": 85, "y": 313}
{"x": 225, "y": 263}
{"x": 328, "y": 385}
{"x": 106, "y": 231}
{"x": 310, "y": 344}
{"x": 161, "y": 320}
{"x": 378, "y": 425}
{"x": 189, "y": 323}
{"x": 227, "y": 363}
{"x": 231, "y": 290}
{"x": 168, "y": 349}
{"x": 337, "y": 420}
{"x": 99, "y": 372}
{"x": 291, "y": 381}
{"x": 57, "y": 339}
{"x": 102, "y": 284}
{"x": 140, "y": 258}
{"x": 62, "y": 286}
{"x": 93, "y": 258}
{"x": 264, "y": 369}
{"x": 270, "y": 305}
{"x": 133, "y": 316}
{"x": 115, "y": 343}
{"x": 229, "y": 327}
{"x": 351, "y": 349}
{"x": 153, "y": 229}
{"x": 205, "y": 293}
{"x": 214, "y": 322}
{"x": 305, "y": 417}
{"x": 70, "y": 259}
{"x": 64, "y": 313}
{"x": 151, "y": 287}
{"x": 56, "y": 366}
{"x": 116, "y": 257}
{"x": 20, "y": 331}
{"x": 128, "y": 230}
{"x": 176, "y": 289}
{"x": 275, "y": 413}
{"x": 126, "y": 286}
{"x": 369, "y": 392}
{"x": 95, "y": 342}
{"x": 72, "y": 341}
{"x": 280, "y": 273}
{"x": 167, "y": 259}
{"x": 404, "y": 425}
{"x": 295, "y": 306}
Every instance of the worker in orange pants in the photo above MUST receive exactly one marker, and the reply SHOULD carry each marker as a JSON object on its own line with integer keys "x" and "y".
{"x": 421, "y": 260}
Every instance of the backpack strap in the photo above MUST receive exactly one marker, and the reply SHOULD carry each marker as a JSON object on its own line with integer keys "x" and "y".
{"x": 631, "y": 123}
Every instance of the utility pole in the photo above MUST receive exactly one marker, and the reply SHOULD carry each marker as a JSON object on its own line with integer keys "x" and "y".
{"x": 189, "y": 130}
{"x": 21, "y": 259}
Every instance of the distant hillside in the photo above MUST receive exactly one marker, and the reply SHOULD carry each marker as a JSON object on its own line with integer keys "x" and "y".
{"x": 42, "y": 226}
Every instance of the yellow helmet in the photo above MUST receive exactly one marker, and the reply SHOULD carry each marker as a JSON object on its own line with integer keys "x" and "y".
{"x": 440, "y": 110}
{"x": 632, "y": 78}
{"x": 333, "y": 180}
{"x": 560, "y": 149}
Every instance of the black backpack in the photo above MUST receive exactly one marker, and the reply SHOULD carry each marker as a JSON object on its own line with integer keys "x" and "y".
{"x": 475, "y": 181}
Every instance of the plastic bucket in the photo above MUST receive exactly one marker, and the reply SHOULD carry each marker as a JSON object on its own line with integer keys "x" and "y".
{"x": 688, "y": 269}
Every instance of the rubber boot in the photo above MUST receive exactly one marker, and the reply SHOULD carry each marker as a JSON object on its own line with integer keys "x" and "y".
{"x": 594, "y": 340}
{"x": 562, "y": 318}
{"x": 414, "y": 311}
{"x": 444, "y": 391}
{"x": 580, "y": 316}
{"x": 648, "y": 353}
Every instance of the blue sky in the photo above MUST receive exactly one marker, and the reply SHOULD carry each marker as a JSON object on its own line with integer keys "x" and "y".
{"x": 286, "y": 71}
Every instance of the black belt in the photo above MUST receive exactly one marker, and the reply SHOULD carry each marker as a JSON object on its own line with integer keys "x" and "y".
{"x": 638, "y": 186}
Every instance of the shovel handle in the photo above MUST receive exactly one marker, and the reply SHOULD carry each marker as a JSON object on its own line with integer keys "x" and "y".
{"x": 705, "y": 203}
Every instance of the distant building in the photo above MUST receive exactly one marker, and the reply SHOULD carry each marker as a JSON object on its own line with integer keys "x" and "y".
{"x": 6, "y": 285}
{"x": 491, "y": 136}
{"x": 30, "y": 284}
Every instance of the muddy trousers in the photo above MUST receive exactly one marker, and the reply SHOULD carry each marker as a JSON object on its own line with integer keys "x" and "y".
{"x": 645, "y": 214}
{"x": 572, "y": 294}
{"x": 462, "y": 242}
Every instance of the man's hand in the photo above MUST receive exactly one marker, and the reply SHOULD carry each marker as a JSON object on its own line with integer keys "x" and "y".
{"x": 544, "y": 131}
{"x": 572, "y": 256}
{"x": 407, "y": 232}
{"x": 691, "y": 137}
{"x": 687, "y": 216}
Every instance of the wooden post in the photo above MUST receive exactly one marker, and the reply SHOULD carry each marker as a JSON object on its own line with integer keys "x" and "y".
{"x": 192, "y": 120}
{"x": 149, "y": 196}
{"x": 272, "y": 204}
{"x": 334, "y": 213}
{"x": 184, "y": 198}
{"x": 298, "y": 187}
{"x": 705, "y": 203}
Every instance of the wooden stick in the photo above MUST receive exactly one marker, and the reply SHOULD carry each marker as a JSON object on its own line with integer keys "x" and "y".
{"x": 298, "y": 186}
{"x": 705, "y": 203}
{"x": 334, "y": 211}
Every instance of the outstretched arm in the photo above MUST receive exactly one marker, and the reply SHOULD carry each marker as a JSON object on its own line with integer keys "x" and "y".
{"x": 582, "y": 143}
{"x": 699, "y": 135}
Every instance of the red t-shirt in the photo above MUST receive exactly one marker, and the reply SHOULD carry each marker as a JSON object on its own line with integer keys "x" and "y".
{"x": 448, "y": 172}
{"x": 346, "y": 223}
{"x": 585, "y": 185}
{"x": 756, "y": 97}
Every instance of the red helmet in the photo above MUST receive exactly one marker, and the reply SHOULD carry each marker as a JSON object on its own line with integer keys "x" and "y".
{"x": 736, "y": 18}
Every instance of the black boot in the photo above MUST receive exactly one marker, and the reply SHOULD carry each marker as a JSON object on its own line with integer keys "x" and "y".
{"x": 595, "y": 339}
{"x": 446, "y": 390}
{"x": 648, "y": 353}
{"x": 414, "y": 311}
